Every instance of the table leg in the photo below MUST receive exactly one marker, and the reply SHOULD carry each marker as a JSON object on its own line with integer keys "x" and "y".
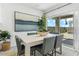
{"x": 27, "y": 50}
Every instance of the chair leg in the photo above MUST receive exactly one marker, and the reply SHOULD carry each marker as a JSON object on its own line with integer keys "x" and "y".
{"x": 55, "y": 52}
{"x": 34, "y": 52}
{"x": 61, "y": 49}
{"x": 52, "y": 53}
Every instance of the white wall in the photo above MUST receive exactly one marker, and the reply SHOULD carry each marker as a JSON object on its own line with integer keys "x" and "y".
{"x": 76, "y": 30}
{"x": 1, "y": 18}
{"x": 7, "y": 17}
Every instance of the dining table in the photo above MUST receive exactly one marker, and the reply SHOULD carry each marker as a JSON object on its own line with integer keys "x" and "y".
{"x": 32, "y": 40}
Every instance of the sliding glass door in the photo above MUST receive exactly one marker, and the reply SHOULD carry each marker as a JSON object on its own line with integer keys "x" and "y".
{"x": 62, "y": 25}
{"x": 67, "y": 29}
{"x": 66, "y": 25}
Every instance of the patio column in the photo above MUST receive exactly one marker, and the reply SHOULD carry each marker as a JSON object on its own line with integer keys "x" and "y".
{"x": 76, "y": 31}
{"x": 57, "y": 28}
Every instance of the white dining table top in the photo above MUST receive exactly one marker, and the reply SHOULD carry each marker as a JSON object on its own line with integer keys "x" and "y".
{"x": 34, "y": 38}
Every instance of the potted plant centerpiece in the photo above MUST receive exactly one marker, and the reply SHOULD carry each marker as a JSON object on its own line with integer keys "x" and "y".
{"x": 42, "y": 26}
{"x": 4, "y": 35}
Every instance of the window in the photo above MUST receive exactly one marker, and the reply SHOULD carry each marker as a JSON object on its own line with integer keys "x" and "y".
{"x": 66, "y": 22}
{"x": 51, "y": 23}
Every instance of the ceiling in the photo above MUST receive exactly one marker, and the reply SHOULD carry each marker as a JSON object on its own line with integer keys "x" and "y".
{"x": 45, "y": 7}
{"x": 41, "y": 6}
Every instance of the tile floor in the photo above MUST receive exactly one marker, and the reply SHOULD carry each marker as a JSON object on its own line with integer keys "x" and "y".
{"x": 66, "y": 51}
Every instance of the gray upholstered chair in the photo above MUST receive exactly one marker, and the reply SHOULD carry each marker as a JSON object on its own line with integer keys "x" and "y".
{"x": 20, "y": 47}
{"x": 46, "y": 47}
{"x": 58, "y": 43}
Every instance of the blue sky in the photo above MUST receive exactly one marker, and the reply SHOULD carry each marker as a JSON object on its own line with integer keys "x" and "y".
{"x": 63, "y": 23}
{"x": 51, "y": 23}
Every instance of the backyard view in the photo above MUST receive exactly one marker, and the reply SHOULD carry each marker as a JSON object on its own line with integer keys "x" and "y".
{"x": 63, "y": 25}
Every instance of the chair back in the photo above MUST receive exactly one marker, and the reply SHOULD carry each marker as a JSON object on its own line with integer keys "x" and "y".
{"x": 18, "y": 43}
{"x": 48, "y": 44}
{"x": 58, "y": 41}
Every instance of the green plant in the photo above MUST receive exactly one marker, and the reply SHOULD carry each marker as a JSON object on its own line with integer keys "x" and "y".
{"x": 4, "y": 35}
{"x": 42, "y": 24}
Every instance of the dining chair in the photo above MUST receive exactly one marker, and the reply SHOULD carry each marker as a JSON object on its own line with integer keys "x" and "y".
{"x": 20, "y": 47}
{"x": 46, "y": 47}
{"x": 58, "y": 44}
